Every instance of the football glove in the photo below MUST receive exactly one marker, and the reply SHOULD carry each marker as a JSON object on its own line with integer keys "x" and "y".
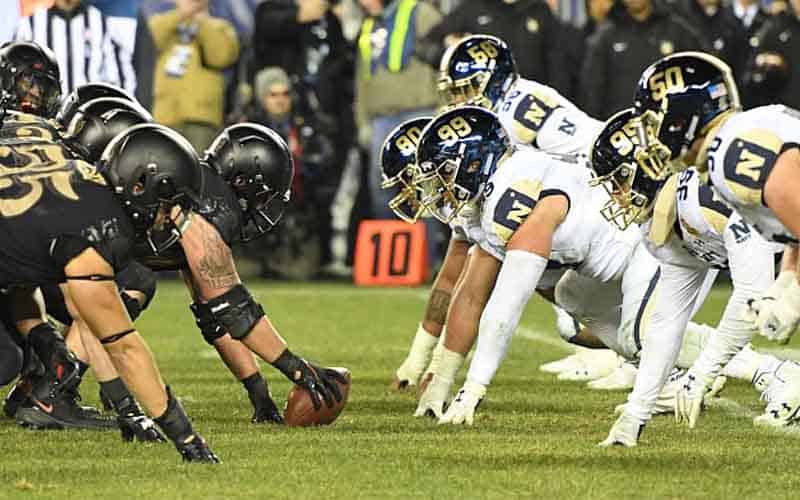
{"x": 462, "y": 408}
{"x": 777, "y": 318}
{"x": 690, "y": 396}
{"x": 409, "y": 373}
{"x": 432, "y": 401}
{"x": 625, "y": 432}
{"x": 317, "y": 381}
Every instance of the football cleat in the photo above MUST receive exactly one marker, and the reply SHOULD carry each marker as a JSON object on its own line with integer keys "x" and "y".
{"x": 267, "y": 413}
{"x": 561, "y": 365}
{"x": 781, "y": 391}
{"x": 625, "y": 432}
{"x": 60, "y": 413}
{"x": 195, "y": 449}
{"x": 17, "y": 396}
{"x": 620, "y": 379}
{"x": 592, "y": 365}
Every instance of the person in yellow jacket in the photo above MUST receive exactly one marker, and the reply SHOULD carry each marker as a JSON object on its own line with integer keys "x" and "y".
{"x": 189, "y": 88}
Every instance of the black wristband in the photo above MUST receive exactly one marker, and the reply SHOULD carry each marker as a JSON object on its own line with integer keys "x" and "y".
{"x": 290, "y": 365}
{"x": 174, "y": 422}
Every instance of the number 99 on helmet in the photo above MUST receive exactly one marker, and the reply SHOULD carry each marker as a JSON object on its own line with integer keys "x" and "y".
{"x": 458, "y": 151}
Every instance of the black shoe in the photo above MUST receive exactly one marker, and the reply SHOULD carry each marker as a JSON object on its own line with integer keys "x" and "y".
{"x": 73, "y": 397}
{"x": 195, "y": 449}
{"x": 267, "y": 413}
{"x": 17, "y": 396}
{"x": 60, "y": 413}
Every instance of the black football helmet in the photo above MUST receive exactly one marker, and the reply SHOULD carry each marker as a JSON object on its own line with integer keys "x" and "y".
{"x": 679, "y": 98}
{"x": 458, "y": 151}
{"x": 85, "y": 93}
{"x": 477, "y": 70}
{"x": 153, "y": 170}
{"x": 399, "y": 166}
{"x": 29, "y": 79}
{"x": 256, "y": 162}
{"x": 95, "y": 123}
{"x": 614, "y": 160}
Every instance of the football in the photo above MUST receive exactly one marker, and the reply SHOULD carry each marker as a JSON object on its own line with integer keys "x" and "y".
{"x": 299, "y": 410}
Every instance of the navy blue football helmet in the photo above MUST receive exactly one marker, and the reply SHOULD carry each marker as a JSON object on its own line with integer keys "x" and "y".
{"x": 679, "y": 98}
{"x": 399, "y": 167}
{"x": 615, "y": 162}
{"x": 457, "y": 153}
{"x": 477, "y": 70}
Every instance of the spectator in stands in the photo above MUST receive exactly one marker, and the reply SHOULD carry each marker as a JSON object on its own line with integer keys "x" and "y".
{"x": 751, "y": 16}
{"x": 637, "y": 33}
{"x": 85, "y": 44}
{"x": 773, "y": 74}
{"x": 314, "y": 154}
{"x": 722, "y": 32}
{"x": 193, "y": 49}
{"x": 528, "y": 26}
{"x": 597, "y": 12}
{"x": 392, "y": 85}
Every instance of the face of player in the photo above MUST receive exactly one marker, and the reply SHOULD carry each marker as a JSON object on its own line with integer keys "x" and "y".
{"x": 34, "y": 93}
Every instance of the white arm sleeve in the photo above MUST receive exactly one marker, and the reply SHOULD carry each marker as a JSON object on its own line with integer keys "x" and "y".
{"x": 676, "y": 294}
{"x": 752, "y": 265}
{"x": 515, "y": 284}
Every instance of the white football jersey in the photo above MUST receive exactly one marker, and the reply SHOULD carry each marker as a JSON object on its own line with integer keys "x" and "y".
{"x": 740, "y": 157}
{"x": 466, "y": 226}
{"x": 697, "y": 240}
{"x": 584, "y": 241}
{"x": 537, "y": 115}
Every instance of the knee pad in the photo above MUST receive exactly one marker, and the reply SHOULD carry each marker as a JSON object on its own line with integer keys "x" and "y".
{"x": 208, "y": 325}
{"x": 140, "y": 278}
{"x": 236, "y": 311}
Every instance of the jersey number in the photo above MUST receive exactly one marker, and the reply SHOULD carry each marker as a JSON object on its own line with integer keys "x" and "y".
{"x": 482, "y": 52}
{"x": 407, "y": 143}
{"x": 453, "y": 130}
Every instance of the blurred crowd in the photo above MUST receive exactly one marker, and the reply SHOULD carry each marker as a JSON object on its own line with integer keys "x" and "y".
{"x": 334, "y": 77}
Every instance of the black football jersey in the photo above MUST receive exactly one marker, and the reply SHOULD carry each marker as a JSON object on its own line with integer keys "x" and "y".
{"x": 52, "y": 206}
{"x": 218, "y": 205}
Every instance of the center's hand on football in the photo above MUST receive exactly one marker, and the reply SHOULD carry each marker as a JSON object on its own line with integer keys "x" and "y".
{"x": 462, "y": 409}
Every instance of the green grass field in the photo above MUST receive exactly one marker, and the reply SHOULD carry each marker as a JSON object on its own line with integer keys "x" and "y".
{"x": 534, "y": 437}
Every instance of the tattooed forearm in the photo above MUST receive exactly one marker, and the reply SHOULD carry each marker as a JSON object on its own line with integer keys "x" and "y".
{"x": 438, "y": 303}
{"x": 216, "y": 268}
